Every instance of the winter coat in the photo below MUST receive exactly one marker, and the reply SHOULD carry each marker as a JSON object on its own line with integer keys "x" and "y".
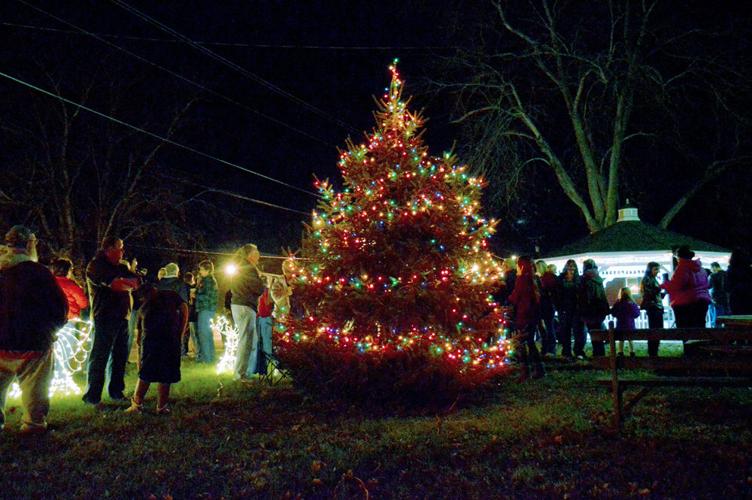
{"x": 740, "y": 289}
{"x": 719, "y": 290}
{"x": 625, "y": 312}
{"x": 592, "y": 300}
{"x": 77, "y": 299}
{"x": 247, "y": 286}
{"x": 107, "y": 303}
{"x": 526, "y": 300}
{"x": 651, "y": 294}
{"x": 176, "y": 285}
{"x": 206, "y": 294}
{"x": 32, "y": 308}
{"x": 688, "y": 285}
{"x": 566, "y": 295}
{"x": 548, "y": 286}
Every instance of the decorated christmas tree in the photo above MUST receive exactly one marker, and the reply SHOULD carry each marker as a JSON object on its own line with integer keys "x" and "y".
{"x": 397, "y": 277}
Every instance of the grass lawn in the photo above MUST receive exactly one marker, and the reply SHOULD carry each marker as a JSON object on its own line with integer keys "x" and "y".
{"x": 541, "y": 438}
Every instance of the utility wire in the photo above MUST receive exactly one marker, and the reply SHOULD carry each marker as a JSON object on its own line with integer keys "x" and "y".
{"x": 209, "y": 189}
{"x": 177, "y": 75}
{"x": 152, "y": 134}
{"x": 240, "y": 44}
{"x": 253, "y": 76}
{"x": 199, "y": 252}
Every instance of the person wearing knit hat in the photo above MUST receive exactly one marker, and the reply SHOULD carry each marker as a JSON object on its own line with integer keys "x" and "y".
{"x": 32, "y": 309}
{"x": 688, "y": 290}
{"x": 20, "y": 246}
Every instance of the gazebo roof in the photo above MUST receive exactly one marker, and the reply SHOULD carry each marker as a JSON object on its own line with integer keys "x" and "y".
{"x": 633, "y": 236}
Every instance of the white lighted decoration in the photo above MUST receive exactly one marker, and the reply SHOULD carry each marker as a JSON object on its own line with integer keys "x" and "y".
{"x": 230, "y": 335}
{"x": 70, "y": 351}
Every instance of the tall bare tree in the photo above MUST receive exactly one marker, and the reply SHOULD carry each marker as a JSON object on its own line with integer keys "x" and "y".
{"x": 588, "y": 89}
{"x": 78, "y": 178}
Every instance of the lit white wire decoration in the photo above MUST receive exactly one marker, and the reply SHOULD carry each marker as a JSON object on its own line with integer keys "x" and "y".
{"x": 70, "y": 351}
{"x": 230, "y": 335}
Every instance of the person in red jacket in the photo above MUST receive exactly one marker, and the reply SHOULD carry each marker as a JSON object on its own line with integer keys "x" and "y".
{"x": 688, "y": 290}
{"x": 77, "y": 300}
{"x": 526, "y": 301}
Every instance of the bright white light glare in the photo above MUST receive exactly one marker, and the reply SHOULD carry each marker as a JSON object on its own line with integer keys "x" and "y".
{"x": 231, "y": 269}
{"x": 230, "y": 335}
{"x": 70, "y": 352}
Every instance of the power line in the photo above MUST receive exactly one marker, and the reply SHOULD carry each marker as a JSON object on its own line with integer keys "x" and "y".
{"x": 232, "y": 194}
{"x": 252, "y": 76}
{"x": 182, "y": 250}
{"x": 176, "y": 75}
{"x": 241, "y": 44}
{"x": 152, "y": 134}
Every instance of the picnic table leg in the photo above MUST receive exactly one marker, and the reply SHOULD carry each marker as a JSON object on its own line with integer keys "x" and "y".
{"x": 616, "y": 390}
{"x": 617, "y": 395}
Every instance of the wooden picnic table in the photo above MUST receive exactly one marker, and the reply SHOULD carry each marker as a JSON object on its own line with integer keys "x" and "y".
{"x": 735, "y": 321}
{"x": 727, "y": 361}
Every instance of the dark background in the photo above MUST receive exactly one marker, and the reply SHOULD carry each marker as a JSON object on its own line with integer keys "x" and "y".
{"x": 333, "y": 55}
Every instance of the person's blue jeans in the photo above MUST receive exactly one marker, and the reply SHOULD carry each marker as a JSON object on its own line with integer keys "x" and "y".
{"x": 265, "y": 341}
{"x": 110, "y": 337}
{"x": 548, "y": 339}
{"x": 204, "y": 337}
{"x": 571, "y": 325}
{"x": 132, "y": 329}
{"x": 245, "y": 324}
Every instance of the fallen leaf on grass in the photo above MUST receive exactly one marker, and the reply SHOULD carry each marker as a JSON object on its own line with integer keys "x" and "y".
{"x": 316, "y": 466}
{"x": 316, "y": 481}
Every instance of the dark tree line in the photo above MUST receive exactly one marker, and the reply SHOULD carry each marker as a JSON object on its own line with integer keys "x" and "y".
{"x": 612, "y": 99}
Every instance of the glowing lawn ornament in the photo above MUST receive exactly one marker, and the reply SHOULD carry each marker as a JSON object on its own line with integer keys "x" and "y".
{"x": 70, "y": 351}
{"x": 230, "y": 334}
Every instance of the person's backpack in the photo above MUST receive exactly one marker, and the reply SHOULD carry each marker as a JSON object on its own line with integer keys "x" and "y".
{"x": 593, "y": 302}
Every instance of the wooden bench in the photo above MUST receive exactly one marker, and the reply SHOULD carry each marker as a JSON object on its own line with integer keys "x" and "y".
{"x": 720, "y": 362}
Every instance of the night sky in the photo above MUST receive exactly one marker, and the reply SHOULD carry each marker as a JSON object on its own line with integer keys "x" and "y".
{"x": 331, "y": 56}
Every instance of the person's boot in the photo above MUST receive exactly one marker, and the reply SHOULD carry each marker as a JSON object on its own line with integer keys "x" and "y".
{"x": 135, "y": 407}
{"x": 539, "y": 371}
{"x": 524, "y": 373}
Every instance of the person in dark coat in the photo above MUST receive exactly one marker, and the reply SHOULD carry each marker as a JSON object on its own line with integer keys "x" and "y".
{"x": 593, "y": 303}
{"x": 110, "y": 283}
{"x": 162, "y": 319}
{"x": 32, "y": 309}
{"x": 570, "y": 323}
{"x": 548, "y": 312}
{"x": 652, "y": 302}
{"x": 247, "y": 286}
{"x": 739, "y": 274}
{"x": 719, "y": 291}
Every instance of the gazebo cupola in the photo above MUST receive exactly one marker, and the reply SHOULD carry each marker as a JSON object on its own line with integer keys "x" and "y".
{"x": 628, "y": 213}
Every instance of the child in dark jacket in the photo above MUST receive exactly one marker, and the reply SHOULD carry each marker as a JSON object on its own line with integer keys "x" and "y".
{"x": 161, "y": 322}
{"x": 625, "y": 311}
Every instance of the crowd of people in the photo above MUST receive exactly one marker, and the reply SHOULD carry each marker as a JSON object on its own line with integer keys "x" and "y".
{"x": 559, "y": 310}
{"x": 163, "y": 318}
{"x": 166, "y": 316}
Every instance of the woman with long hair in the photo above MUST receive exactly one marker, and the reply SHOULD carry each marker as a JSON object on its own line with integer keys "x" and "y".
{"x": 526, "y": 301}
{"x": 570, "y": 323}
{"x": 652, "y": 302}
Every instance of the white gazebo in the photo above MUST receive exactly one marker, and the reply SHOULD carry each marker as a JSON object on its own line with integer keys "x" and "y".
{"x": 623, "y": 250}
